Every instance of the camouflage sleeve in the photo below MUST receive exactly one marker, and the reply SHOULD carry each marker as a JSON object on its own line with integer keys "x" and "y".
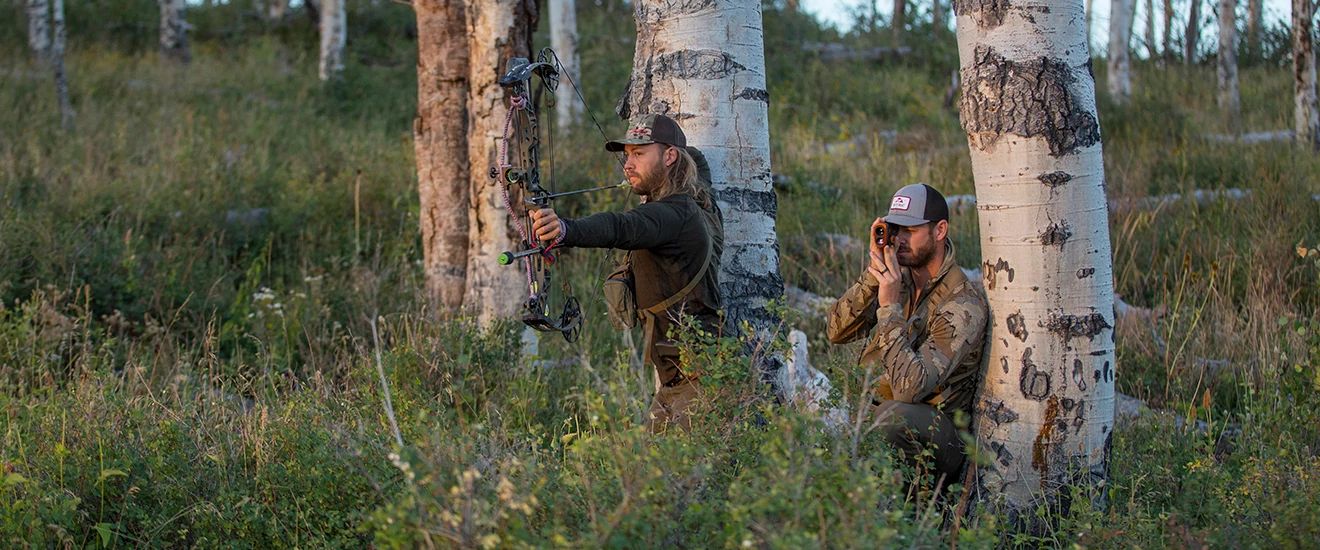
{"x": 853, "y": 313}
{"x": 914, "y": 372}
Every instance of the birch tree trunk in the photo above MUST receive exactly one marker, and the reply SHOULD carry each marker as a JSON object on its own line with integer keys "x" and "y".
{"x": 441, "y": 147}
{"x": 38, "y": 14}
{"x": 1168, "y": 29}
{"x": 1305, "y": 119}
{"x": 1230, "y": 102}
{"x": 1045, "y": 411}
{"x": 563, "y": 39}
{"x": 334, "y": 33}
{"x": 173, "y": 31}
{"x": 497, "y": 31}
{"x": 57, "y": 64}
{"x": 1254, "y": 8}
{"x": 271, "y": 10}
{"x": 1193, "y": 33}
{"x": 1090, "y": 4}
{"x": 898, "y": 21}
{"x": 1152, "y": 47}
{"x": 703, "y": 64}
{"x": 1120, "y": 40}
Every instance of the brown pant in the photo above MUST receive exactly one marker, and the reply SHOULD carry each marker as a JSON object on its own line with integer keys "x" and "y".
{"x": 912, "y": 427}
{"x": 671, "y": 407}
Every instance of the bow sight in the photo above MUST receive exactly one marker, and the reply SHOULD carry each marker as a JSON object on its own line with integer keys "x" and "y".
{"x": 522, "y": 128}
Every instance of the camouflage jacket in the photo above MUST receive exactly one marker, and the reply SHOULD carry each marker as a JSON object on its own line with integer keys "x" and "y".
{"x": 928, "y": 351}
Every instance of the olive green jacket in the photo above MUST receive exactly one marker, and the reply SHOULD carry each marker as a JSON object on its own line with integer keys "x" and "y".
{"x": 927, "y": 352}
{"x": 668, "y": 239}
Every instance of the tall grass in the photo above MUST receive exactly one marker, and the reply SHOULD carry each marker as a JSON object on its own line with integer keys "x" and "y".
{"x": 188, "y": 280}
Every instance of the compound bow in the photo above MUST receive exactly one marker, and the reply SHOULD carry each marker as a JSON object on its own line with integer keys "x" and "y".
{"x": 522, "y": 126}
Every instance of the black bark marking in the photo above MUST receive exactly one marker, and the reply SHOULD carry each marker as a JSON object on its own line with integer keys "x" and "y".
{"x": 1003, "y": 362}
{"x": 1056, "y": 234}
{"x": 991, "y": 272}
{"x": 1033, "y": 382}
{"x": 1098, "y": 353}
{"x": 1068, "y": 327}
{"x": 998, "y": 412}
{"x": 1055, "y": 179}
{"x": 1033, "y": 98}
{"x": 1002, "y": 456}
{"x": 1017, "y": 326}
{"x": 1078, "y": 376}
{"x": 695, "y": 65}
{"x": 1069, "y": 403}
{"x": 1109, "y": 372}
{"x": 1085, "y": 272}
{"x": 754, "y": 94}
{"x": 1079, "y": 419}
{"x": 655, "y": 12}
{"x": 987, "y": 13}
{"x": 748, "y": 200}
{"x": 1097, "y": 375}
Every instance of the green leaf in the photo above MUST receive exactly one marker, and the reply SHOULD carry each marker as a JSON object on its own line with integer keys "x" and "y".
{"x": 14, "y": 478}
{"x": 104, "y": 530}
{"x": 109, "y": 473}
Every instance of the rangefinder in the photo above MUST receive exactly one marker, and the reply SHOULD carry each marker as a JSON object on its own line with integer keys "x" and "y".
{"x": 883, "y": 236}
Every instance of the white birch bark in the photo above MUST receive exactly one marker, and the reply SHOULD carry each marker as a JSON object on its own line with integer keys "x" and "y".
{"x": 441, "y": 147}
{"x": 1306, "y": 123}
{"x": 173, "y": 31}
{"x": 334, "y": 33}
{"x": 1230, "y": 101}
{"x": 38, "y": 14}
{"x": 703, "y": 64}
{"x": 57, "y": 64}
{"x": 1045, "y": 412}
{"x": 564, "y": 39}
{"x": 497, "y": 31}
{"x": 1152, "y": 47}
{"x": 1120, "y": 55}
{"x": 1192, "y": 34}
{"x": 1254, "y": 8}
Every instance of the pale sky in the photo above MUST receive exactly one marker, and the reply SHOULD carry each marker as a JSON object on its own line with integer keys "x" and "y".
{"x": 838, "y": 13}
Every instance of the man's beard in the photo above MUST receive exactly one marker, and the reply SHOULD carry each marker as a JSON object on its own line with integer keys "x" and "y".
{"x": 917, "y": 258}
{"x": 650, "y": 182}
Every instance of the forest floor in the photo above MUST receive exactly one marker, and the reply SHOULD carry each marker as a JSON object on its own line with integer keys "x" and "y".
{"x": 190, "y": 280}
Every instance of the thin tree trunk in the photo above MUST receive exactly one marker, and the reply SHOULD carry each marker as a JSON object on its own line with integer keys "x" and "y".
{"x": 497, "y": 31}
{"x": 38, "y": 14}
{"x": 563, "y": 39}
{"x": 1230, "y": 102}
{"x": 1168, "y": 30}
{"x": 1254, "y": 9}
{"x": 937, "y": 15}
{"x": 1045, "y": 412}
{"x": 1152, "y": 47}
{"x": 1120, "y": 57}
{"x": 1090, "y": 4}
{"x": 173, "y": 31}
{"x": 441, "y": 147}
{"x": 57, "y": 65}
{"x": 704, "y": 65}
{"x": 899, "y": 21}
{"x": 334, "y": 33}
{"x": 1193, "y": 33}
{"x": 1305, "y": 119}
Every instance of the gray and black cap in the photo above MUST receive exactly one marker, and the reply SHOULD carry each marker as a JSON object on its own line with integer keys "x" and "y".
{"x": 648, "y": 129}
{"x": 917, "y": 204}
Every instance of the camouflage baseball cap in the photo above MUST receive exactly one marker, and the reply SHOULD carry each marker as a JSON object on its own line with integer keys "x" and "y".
{"x": 917, "y": 204}
{"x": 648, "y": 129}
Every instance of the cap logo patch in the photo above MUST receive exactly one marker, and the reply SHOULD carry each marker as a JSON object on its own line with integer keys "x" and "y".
{"x": 900, "y": 203}
{"x": 640, "y": 132}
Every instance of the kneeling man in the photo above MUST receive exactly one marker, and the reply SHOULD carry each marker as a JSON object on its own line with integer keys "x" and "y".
{"x": 926, "y": 323}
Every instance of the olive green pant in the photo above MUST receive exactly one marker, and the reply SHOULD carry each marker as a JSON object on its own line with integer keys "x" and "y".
{"x": 913, "y": 427}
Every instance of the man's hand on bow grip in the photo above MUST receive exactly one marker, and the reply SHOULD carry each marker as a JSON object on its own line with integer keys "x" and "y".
{"x": 546, "y": 224}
